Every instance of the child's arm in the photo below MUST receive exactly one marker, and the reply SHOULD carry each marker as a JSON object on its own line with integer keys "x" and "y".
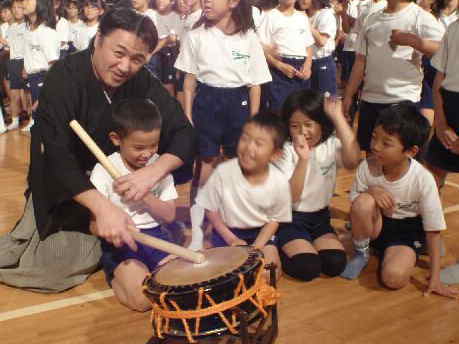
{"x": 435, "y": 285}
{"x": 305, "y": 72}
{"x": 273, "y": 61}
{"x": 297, "y": 180}
{"x": 216, "y": 220}
{"x": 320, "y": 39}
{"x": 265, "y": 234}
{"x": 357, "y": 74}
{"x": 425, "y": 46}
{"x": 350, "y": 150}
{"x": 254, "y": 96}
{"x": 189, "y": 87}
{"x": 161, "y": 210}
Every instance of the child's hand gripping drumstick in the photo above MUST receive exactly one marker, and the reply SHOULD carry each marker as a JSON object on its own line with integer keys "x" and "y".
{"x": 156, "y": 243}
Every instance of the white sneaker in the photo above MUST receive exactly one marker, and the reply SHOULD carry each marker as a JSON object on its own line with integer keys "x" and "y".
{"x": 29, "y": 125}
{"x": 14, "y": 124}
{"x": 2, "y": 129}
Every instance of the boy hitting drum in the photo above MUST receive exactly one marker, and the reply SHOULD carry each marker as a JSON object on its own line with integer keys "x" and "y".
{"x": 246, "y": 197}
{"x": 136, "y": 131}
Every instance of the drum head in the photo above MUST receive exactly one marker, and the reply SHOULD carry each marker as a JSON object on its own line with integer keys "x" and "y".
{"x": 219, "y": 261}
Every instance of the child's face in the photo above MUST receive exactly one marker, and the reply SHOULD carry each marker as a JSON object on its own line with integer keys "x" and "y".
{"x": 139, "y": 4}
{"x": 387, "y": 148}
{"x": 164, "y": 5}
{"x": 301, "y": 124}
{"x": 6, "y": 15}
{"x": 214, "y": 10}
{"x": 304, "y": 4}
{"x": 29, "y": 7}
{"x": 72, "y": 11}
{"x": 287, "y": 3}
{"x": 137, "y": 147}
{"x": 425, "y": 4}
{"x": 92, "y": 12}
{"x": 256, "y": 149}
{"x": 18, "y": 10}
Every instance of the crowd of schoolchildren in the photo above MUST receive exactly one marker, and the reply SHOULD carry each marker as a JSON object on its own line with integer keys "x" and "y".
{"x": 259, "y": 81}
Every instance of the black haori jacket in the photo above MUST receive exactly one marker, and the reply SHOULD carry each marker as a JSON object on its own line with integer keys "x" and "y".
{"x": 59, "y": 161}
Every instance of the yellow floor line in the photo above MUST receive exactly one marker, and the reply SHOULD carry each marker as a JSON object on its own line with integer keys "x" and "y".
{"x": 452, "y": 184}
{"x": 45, "y": 307}
{"x": 451, "y": 209}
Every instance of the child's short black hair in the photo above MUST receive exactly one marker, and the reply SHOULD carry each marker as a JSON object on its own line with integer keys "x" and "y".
{"x": 135, "y": 114}
{"x": 405, "y": 121}
{"x": 310, "y": 103}
{"x": 6, "y": 5}
{"x": 272, "y": 123}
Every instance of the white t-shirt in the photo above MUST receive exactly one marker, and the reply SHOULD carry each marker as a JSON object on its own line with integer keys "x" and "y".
{"x": 74, "y": 30}
{"x": 415, "y": 193}
{"x": 153, "y": 15}
{"x": 169, "y": 24}
{"x": 85, "y": 35}
{"x": 320, "y": 178}
{"x": 188, "y": 22}
{"x": 291, "y": 35}
{"x": 221, "y": 60}
{"x": 41, "y": 46}
{"x": 446, "y": 60}
{"x": 164, "y": 190}
{"x": 394, "y": 75}
{"x": 351, "y": 37}
{"x": 257, "y": 16}
{"x": 3, "y": 28}
{"x": 447, "y": 20}
{"x": 15, "y": 37}
{"x": 324, "y": 21}
{"x": 63, "y": 30}
{"x": 243, "y": 205}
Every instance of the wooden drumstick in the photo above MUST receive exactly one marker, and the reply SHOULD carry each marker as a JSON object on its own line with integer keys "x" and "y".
{"x": 156, "y": 243}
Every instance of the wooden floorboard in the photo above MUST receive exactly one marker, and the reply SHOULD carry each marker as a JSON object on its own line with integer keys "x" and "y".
{"x": 325, "y": 311}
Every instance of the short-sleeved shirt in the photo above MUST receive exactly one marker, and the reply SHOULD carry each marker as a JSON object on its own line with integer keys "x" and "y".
{"x": 415, "y": 193}
{"x": 320, "y": 177}
{"x": 243, "y": 205}
{"x": 446, "y": 60}
{"x": 41, "y": 46}
{"x": 291, "y": 35}
{"x": 351, "y": 37}
{"x": 221, "y": 60}
{"x": 188, "y": 22}
{"x": 394, "y": 75}
{"x": 169, "y": 24}
{"x": 15, "y": 37}
{"x": 63, "y": 30}
{"x": 324, "y": 21}
{"x": 164, "y": 190}
{"x": 74, "y": 30}
{"x": 447, "y": 20}
{"x": 85, "y": 35}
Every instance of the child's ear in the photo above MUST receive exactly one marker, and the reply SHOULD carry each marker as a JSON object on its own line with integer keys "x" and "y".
{"x": 115, "y": 138}
{"x": 412, "y": 151}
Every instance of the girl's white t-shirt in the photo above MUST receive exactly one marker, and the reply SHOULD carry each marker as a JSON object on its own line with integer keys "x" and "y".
{"x": 320, "y": 177}
{"x": 221, "y": 60}
{"x": 41, "y": 46}
{"x": 85, "y": 35}
{"x": 325, "y": 22}
{"x": 15, "y": 38}
{"x": 243, "y": 205}
{"x": 415, "y": 193}
{"x": 164, "y": 190}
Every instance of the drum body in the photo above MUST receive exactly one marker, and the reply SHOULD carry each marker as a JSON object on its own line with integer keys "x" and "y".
{"x": 188, "y": 287}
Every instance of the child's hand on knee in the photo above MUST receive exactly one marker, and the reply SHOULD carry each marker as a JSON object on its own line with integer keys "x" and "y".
{"x": 383, "y": 199}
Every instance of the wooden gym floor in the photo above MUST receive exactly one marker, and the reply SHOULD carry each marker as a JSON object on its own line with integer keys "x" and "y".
{"x": 325, "y": 311}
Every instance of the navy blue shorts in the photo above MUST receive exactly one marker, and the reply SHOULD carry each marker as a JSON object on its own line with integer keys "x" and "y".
{"x": 219, "y": 114}
{"x": 406, "y": 232}
{"x": 167, "y": 71}
{"x": 427, "y": 84}
{"x": 154, "y": 65}
{"x": 437, "y": 155}
{"x": 346, "y": 65}
{"x": 180, "y": 80}
{"x": 282, "y": 86}
{"x": 71, "y": 48}
{"x": 249, "y": 235}
{"x": 323, "y": 75}
{"x": 306, "y": 226}
{"x": 15, "y": 68}
{"x": 35, "y": 83}
{"x": 113, "y": 256}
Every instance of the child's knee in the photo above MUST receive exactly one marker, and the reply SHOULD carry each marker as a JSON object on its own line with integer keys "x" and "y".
{"x": 137, "y": 302}
{"x": 364, "y": 204}
{"x": 394, "y": 278}
{"x": 333, "y": 261}
{"x": 303, "y": 266}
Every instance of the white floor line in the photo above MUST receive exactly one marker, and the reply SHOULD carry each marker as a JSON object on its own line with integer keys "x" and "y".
{"x": 451, "y": 209}
{"x": 452, "y": 184}
{"x": 45, "y": 307}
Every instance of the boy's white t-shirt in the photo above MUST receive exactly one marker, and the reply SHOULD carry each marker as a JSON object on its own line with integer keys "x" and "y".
{"x": 169, "y": 24}
{"x": 351, "y": 37}
{"x": 320, "y": 178}
{"x": 85, "y": 35}
{"x": 446, "y": 60}
{"x": 221, "y": 60}
{"x": 447, "y": 20}
{"x": 243, "y": 205}
{"x": 15, "y": 37}
{"x": 63, "y": 30}
{"x": 164, "y": 190}
{"x": 291, "y": 35}
{"x": 41, "y": 46}
{"x": 415, "y": 193}
{"x": 324, "y": 21}
{"x": 394, "y": 75}
{"x": 74, "y": 30}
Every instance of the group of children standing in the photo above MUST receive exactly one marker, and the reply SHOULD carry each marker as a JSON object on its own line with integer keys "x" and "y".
{"x": 259, "y": 86}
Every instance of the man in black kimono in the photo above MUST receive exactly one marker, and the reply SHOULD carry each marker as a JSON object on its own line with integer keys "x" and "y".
{"x": 60, "y": 252}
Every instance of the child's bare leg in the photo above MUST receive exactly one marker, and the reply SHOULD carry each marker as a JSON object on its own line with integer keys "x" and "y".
{"x": 397, "y": 266}
{"x": 127, "y": 285}
{"x": 272, "y": 256}
{"x": 366, "y": 224}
